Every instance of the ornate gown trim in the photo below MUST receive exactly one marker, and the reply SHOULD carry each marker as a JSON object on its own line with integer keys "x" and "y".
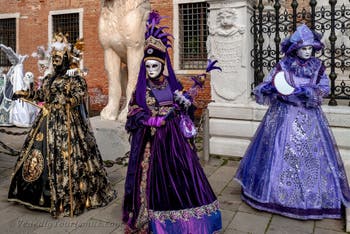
{"x": 52, "y": 191}
{"x": 185, "y": 214}
{"x": 142, "y": 219}
{"x": 26, "y": 152}
{"x": 33, "y": 166}
{"x": 297, "y": 213}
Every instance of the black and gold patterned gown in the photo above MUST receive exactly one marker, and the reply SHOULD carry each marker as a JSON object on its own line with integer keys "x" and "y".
{"x": 60, "y": 169}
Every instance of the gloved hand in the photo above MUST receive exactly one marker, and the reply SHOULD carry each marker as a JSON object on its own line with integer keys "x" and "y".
{"x": 154, "y": 121}
{"x": 268, "y": 89}
{"x": 20, "y": 94}
{"x": 302, "y": 91}
{"x": 181, "y": 99}
{"x": 72, "y": 72}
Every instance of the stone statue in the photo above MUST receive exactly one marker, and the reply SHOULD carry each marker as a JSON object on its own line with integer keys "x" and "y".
{"x": 122, "y": 25}
{"x": 225, "y": 43}
{"x": 225, "y": 23}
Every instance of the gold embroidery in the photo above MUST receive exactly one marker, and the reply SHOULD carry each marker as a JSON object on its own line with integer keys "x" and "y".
{"x": 150, "y": 101}
{"x": 65, "y": 154}
{"x": 185, "y": 214}
{"x": 41, "y": 201}
{"x": 87, "y": 203}
{"x": 142, "y": 219}
{"x": 164, "y": 110}
{"x": 45, "y": 111}
{"x": 153, "y": 131}
{"x": 94, "y": 200}
{"x": 82, "y": 186}
{"x": 39, "y": 136}
{"x": 154, "y": 112}
{"x": 61, "y": 207}
{"x": 33, "y": 166}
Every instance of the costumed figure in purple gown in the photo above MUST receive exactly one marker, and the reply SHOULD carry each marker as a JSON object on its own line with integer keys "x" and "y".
{"x": 166, "y": 190}
{"x": 292, "y": 166}
{"x": 60, "y": 169}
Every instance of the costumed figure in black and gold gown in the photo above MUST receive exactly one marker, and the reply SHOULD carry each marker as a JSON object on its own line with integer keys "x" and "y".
{"x": 60, "y": 169}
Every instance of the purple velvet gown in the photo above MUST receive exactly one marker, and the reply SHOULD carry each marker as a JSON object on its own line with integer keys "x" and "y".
{"x": 166, "y": 189}
{"x": 292, "y": 166}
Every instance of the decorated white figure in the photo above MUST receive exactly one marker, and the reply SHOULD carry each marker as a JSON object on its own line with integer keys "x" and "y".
{"x": 5, "y": 100}
{"x": 22, "y": 114}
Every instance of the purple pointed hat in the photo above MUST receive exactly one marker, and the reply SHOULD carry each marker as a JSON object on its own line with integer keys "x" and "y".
{"x": 156, "y": 40}
{"x": 156, "y": 47}
{"x": 302, "y": 37}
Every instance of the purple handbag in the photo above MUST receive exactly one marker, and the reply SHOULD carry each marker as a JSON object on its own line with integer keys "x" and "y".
{"x": 187, "y": 126}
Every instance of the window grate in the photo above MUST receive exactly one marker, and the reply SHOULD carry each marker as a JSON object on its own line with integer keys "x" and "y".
{"x": 8, "y": 38}
{"x": 193, "y": 33}
{"x": 67, "y": 24}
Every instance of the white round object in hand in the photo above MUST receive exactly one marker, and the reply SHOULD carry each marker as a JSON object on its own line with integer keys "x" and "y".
{"x": 282, "y": 85}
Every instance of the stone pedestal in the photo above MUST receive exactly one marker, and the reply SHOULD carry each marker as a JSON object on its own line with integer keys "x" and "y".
{"x": 111, "y": 137}
{"x": 229, "y": 42}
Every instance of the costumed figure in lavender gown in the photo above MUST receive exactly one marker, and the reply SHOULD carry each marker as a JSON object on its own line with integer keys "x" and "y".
{"x": 60, "y": 169}
{"x": 166, "y": 190}
{"x": 22, "y": 114}
{"x": 292, "y": 166}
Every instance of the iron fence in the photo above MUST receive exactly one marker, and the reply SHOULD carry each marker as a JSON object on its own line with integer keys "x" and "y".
{"x": 272, "y": 21}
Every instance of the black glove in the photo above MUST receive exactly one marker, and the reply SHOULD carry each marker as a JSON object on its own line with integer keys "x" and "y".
{"x": 302, "y": 91}
{"x": 19, "y": 94}
{"x": 268, "y": 89}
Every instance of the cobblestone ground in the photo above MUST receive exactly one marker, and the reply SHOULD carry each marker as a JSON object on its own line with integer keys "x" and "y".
{"x": 237, "y": 217}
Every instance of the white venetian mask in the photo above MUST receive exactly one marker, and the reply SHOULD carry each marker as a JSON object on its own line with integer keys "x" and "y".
{"x": 305, "y": 52}
{"x": 153, "y": 68}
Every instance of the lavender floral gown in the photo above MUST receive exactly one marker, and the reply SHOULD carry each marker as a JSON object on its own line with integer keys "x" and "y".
{"x": 292, "y": 166}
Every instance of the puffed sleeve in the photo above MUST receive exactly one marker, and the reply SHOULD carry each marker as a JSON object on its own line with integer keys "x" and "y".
{"x": 136, "y": 115}
{"x": 39, "y": 94}
{"x": 265, "y": 92}
{"x": 77, "y": 90}
{"x": 322, "y": 82}
{"x": 312, "y": 95}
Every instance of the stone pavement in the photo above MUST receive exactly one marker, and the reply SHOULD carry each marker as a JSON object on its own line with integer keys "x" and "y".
{"x": 237, "y": 217}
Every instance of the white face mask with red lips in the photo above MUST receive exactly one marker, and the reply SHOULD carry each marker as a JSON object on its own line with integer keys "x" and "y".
{"x": 305, "y": 52}
{"x": 153, "y": 68}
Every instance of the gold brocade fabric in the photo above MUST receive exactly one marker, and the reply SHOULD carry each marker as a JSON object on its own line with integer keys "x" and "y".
{"x": 60, "y": 168}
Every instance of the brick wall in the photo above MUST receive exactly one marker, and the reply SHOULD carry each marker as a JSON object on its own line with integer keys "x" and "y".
{"x": 204, "y": 96}
{"x": 33, "y": 31}
{"x": 301, "y": 5}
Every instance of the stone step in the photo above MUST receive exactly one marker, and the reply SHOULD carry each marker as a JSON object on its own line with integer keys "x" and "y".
{"x": 111, "y": 137}
{"x": 246, "y": 129}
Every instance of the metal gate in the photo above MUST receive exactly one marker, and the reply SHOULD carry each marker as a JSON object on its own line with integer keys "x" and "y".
{"x": 274, "y": 20}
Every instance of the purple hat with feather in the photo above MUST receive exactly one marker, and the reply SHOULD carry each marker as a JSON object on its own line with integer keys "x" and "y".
{"x": 302, "y": 37}
{"x": 157, "y": 42}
